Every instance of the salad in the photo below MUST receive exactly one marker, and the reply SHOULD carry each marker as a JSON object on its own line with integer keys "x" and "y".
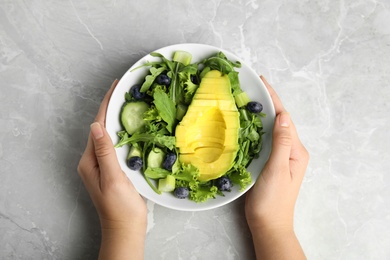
{"x": 191, "y": 129}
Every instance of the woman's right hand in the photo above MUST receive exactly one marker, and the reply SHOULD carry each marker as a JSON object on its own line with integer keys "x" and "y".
{"x": 270, "y": 203}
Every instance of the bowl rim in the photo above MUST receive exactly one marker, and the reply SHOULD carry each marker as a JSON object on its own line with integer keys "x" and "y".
{"x": 126, "y": 81}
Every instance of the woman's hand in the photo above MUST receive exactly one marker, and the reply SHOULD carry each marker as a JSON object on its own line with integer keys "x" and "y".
{"x": 270, "y": 203}
{"x": 122, "y": 211}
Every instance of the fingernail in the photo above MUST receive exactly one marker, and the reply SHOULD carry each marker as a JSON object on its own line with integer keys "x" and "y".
{"x": 96, "y": 130}
{"x": 284, "y": 119}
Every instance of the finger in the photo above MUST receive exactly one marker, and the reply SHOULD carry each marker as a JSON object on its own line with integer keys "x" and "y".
{"x": 101, "y": 115}
{"x": 281, "y": 143}
{"x": 105, "y": 152}
{"x": 299, "y": 156}
{"x": 275, "y": 98}
{"x": 88, "y": 159}
{"x": 297, "y": 150}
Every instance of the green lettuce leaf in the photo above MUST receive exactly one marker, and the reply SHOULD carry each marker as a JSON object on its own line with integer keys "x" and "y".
{"x": 240, "y": 176}
{"x": 203, "y": 193}
{"x": 187, "y": 172}
{"x": 166, "y": 108}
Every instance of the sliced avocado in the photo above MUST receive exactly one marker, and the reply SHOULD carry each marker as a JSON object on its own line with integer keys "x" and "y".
{"x": 207, "y": 136}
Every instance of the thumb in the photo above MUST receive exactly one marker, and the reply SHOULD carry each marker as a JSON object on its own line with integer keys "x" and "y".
{"x": 104, "y": 150}
{"x": 282, "y": 142}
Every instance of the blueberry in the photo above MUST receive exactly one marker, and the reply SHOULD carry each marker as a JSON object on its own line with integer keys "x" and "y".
{"x": 224, "y": 184}
{"x": 194, "y": 79}
{"x": 136, "y": 93}
{"x": 181, "y": 192}
{"x": 134, "y": 163}
{"x": 169, "y": 161}
{"x": 254, "y": 107}
{"x": 163, "y": 79}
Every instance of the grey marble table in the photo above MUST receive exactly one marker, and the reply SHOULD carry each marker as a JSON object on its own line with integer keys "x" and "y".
{"x": 328, "y": 60}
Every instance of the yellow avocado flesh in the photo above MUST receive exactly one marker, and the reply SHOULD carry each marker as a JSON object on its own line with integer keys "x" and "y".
{"x": 207, "y": 136}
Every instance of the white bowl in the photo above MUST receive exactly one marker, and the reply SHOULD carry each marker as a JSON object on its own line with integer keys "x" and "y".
{"x": 250, "y": 82}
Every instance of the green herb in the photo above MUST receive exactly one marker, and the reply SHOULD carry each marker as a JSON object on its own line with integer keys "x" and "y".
{"x": 222, "y": 63}
{"x": 149, "y": 79}
{"x": 155, "y": 138}
{"x": 166, "y": 108}
{"x": 156, "y": 173}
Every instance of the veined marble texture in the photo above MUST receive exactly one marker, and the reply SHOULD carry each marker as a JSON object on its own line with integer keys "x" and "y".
{"x": 329, "y": 61}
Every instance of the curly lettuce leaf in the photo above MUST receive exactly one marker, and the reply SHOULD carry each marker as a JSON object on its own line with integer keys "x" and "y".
{"x": 187, "y": 172}
{"x": 202, "y": 193}
{"x": 187, "y": 84}
{"x": 240, "y": 176}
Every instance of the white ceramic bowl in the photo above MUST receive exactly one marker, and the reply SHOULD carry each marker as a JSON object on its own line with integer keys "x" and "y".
{"x": 250, "y": 82}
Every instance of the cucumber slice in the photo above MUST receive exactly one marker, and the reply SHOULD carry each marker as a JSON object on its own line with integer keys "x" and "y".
{"x": 132, "y": 116}
{"x": 242, "y": 99}
{"x": 134, "y": 151}
{"x": 182, "y": 57}
{"x": 155, "y": 158}
{"x": 167, "y": 184}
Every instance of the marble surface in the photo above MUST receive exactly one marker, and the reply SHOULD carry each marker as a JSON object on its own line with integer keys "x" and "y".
{"x": 328, "y": 60}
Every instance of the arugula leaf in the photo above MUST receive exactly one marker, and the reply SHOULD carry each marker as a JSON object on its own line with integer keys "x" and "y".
{"x": 235, "y": 83}
{"x": 175, "y": 91}
{"x": 166, "y": 108}
{"x": 128, "y": 97}
{"x": 169, "y": 64}
{"x": 250, "y": 138}
{"x": 156, "y": 173}
{"x": 149, "y": 79}
{"x": 222, "y": 63}
{"x": 155, "y": 138}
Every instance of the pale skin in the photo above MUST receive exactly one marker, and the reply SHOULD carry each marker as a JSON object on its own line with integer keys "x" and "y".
{"x": 269, "y": 204}
{"x": 122, "y": 211}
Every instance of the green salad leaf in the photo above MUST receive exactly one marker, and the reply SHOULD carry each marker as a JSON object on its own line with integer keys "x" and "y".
{"x": 155, "y": 138}
{"x": 222, "y": 63}
{"x": 202, "y": 193}
{"x": 187, "y": 173}
{"x": 166, "y": 108}
{"x": 149, "y": 79}
{"x": 156, "y": 173}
